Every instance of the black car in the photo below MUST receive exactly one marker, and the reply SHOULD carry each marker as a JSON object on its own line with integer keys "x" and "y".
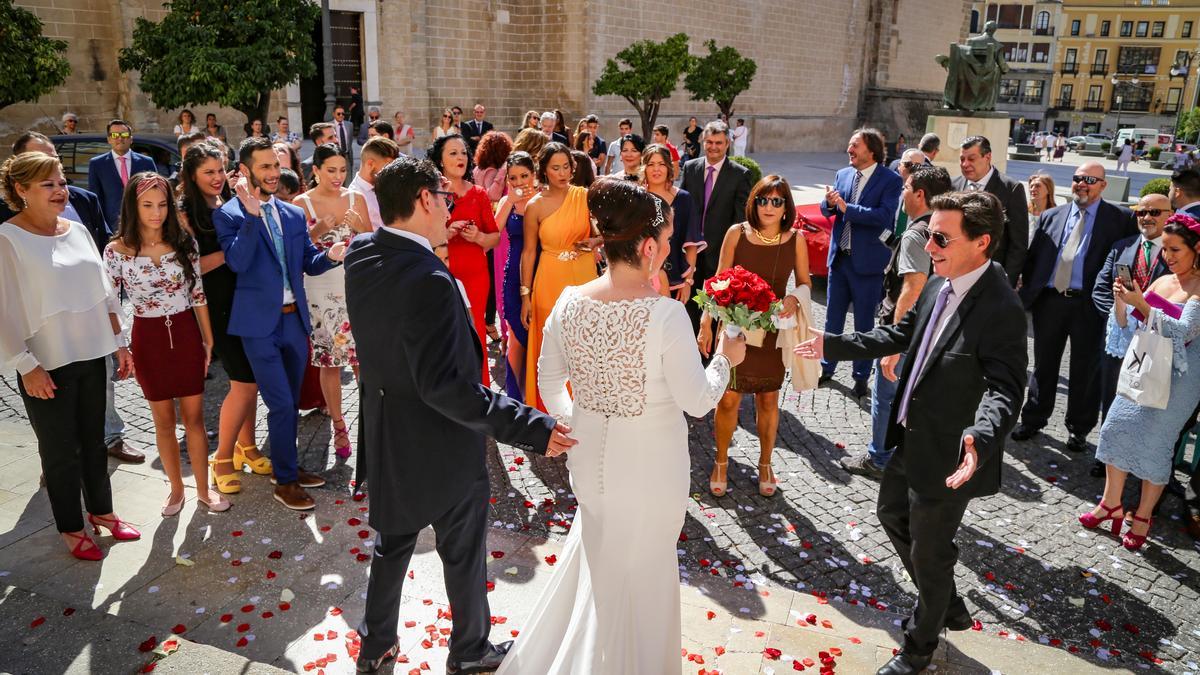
{"x": 75, "y": 150}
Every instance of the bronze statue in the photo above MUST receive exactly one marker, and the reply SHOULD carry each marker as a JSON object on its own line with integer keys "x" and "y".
{"x": 973, "y": 71}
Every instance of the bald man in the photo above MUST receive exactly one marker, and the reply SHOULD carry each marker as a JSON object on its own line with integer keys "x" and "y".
{"x": 1066, "y": 255}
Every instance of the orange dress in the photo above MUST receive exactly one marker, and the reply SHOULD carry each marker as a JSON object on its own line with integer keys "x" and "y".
{"x": 559, "y": 265}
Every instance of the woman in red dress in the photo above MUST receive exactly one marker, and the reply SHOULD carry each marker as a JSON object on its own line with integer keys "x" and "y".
{"x": 471, "y": 232}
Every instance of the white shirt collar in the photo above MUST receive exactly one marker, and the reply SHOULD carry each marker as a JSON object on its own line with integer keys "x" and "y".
{"x": 412, "y": 236}
{"x": 962, "y": 285}
{"x": 867, "y": 172}
{"x": 982, "y": 182}
{"x": 361, "y": 184}
{"x": 116, "y": 157}
{"x": 716, "y": 166}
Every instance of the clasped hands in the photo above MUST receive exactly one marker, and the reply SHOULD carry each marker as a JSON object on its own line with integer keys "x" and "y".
{"x": 560, "y": 440}
{"x": 834, "y": 199}
{"x": 814, "y": 349}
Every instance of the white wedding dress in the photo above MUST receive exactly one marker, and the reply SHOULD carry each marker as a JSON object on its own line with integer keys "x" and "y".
{"x": 612, "y": 605}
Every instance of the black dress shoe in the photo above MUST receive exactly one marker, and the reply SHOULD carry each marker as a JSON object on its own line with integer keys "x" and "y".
{"x": 960, "y": 622}
{"x": 824, "y": 379}
{"x": 1024, "y": 432}
{"x": 365, "y": 665}
{"x": 905, "y": 664}
{"x": 860, "y": 389}
{"x": 1077, "y": 443}
{"x": 1098, "y": 470}
{"x": 491, "y": 661}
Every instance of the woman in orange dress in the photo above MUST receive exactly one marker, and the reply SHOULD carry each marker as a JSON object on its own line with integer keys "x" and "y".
{"x": 471, "y": 232}
{"x": 557, "y": 222}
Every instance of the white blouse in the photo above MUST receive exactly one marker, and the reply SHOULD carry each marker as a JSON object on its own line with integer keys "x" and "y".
{"x": 55, "y": 299}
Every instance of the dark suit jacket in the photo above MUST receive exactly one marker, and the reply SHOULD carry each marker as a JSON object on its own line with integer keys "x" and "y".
{"x": 726, "y": 206}
{"x": 1113, "y": 223}
{"x": 347, "y": 148}
{"x": 87, "y": 205}
{"x": 973, "y": 382}
{"x": 425, "y": 413}
{"x": 874, "y": 214}
{"x": 473, "y": 135}
{"x": 1125, "y": 252}
{"x": 250, "y": 253}
{"x": 104, "y": 180}
{"x": 306, "y": 171}
{"x": 1014, "y": 242}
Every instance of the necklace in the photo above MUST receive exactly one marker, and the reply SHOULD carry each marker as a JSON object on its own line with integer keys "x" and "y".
{"x": 768, "y": 240}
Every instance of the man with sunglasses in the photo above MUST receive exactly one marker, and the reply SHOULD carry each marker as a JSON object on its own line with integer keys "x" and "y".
{"x": 108, "y": 173}
{"x": 1066, "y": 254}
{"x": 957, "y": 399}
{"x": 975, "y": 161}
{"x": 343, "y": 134}
{"x": 425, "y": 415}
{"x": 910, "y": 161}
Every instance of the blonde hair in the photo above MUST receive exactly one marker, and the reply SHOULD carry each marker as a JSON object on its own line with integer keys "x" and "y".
{"x": 24, "y": 169}
{"x": 1047, "y": 183}
{"x": 532, "y": 141}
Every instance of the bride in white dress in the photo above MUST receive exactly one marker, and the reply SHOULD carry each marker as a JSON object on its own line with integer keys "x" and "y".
{"x": 630, "y": 356}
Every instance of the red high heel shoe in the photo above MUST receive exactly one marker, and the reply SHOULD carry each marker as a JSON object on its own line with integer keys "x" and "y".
{"x": 93, "y": 554}
{"x": 1091, "y": 521}
{"x": 120, "y": 530}
{"x": 1132, "y": 541}
{"x": 341, "y": 438}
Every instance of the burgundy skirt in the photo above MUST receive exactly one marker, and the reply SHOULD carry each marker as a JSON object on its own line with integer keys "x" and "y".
{"x": 168, "y": 356}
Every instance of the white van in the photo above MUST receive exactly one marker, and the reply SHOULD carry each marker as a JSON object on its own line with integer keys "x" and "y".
{"x": 1135, "y": 135}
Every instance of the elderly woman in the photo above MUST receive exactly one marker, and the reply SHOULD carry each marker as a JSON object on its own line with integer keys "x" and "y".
{"x": 61, "y": 321}
{"x": 1139, "y": 439}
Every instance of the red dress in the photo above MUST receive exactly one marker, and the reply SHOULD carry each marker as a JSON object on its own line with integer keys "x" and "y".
{"x": 468, "y": 261}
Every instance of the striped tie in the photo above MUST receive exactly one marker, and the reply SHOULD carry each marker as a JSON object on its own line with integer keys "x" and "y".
{"x": 844, "y": 239}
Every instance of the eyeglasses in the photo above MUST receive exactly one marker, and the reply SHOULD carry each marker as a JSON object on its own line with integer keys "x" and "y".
{"x": 942, "y": 240}
{"x": 448, "y": 197}
{"x": 1153, "y": 213}
{"x": 1090, "y": 180}
{"x": 120, "y": 134}
{"x": 445, "y": 117}
{"x": 777, "y": 202}
{"x": 911, "y": 166}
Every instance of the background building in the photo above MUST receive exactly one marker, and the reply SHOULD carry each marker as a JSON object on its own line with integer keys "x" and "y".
{"x": 1124, "y": 63}
{"x": 1028, "y": 30}
{"x": 822, "y": 67}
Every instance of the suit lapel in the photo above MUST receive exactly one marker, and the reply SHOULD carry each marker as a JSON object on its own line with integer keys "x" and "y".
{"x": 954, "y": 323}
{"x": 919, "y": 329}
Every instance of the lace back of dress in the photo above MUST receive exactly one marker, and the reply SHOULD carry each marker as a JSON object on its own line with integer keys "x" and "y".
{"x": 605, "y": 345}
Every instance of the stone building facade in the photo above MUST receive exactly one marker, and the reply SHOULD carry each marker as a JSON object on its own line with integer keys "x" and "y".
{"x": 822, "y": 67}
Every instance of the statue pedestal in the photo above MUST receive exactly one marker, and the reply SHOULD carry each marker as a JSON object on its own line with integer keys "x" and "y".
{"x": 954, "y": 125}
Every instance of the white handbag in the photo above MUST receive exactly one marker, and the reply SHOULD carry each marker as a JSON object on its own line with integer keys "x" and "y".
{"x": 1146, "y": 371}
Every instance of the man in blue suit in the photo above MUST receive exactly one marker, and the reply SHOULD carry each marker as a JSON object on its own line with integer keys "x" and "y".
{"x": 1065, "y": 257}
{"x": 863, "y": 205}
{"x": 108, "y": 173}
{"x": 266, "y": 244}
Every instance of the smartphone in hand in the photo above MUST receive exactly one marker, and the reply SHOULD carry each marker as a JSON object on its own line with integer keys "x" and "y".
{"x": 1125, "y": 276}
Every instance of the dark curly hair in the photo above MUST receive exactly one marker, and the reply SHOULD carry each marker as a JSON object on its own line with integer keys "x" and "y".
{"x": 129, "y": 233}
{"x": 192, "y": 203}
{"x": 435, "y": 152}
{"x": 626, "y": 215}
{"x": 493, "y": 149}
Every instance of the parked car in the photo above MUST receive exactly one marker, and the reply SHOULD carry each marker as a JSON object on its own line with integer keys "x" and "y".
{"x": 817, "y": 229}
{"x": 1076, "y": 142}
{"x": 75, "y": 150}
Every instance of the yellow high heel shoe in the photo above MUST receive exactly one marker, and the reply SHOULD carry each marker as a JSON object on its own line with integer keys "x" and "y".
{"x": 260, "y": 466}
{"x": 228, "y": 484}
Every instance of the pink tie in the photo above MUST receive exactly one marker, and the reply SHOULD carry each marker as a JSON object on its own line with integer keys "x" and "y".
{"x": 124, "y": 171}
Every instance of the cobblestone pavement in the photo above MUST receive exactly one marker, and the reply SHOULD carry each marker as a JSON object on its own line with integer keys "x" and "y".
{"x": 1027, "y": 570}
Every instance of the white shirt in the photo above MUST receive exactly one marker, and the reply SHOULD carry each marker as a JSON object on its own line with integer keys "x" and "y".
{"x": 867, "y": 172}
{"x": 716, "y": 174}
{"x": 982, "y": 183}
{"x": 128, "y": 162}
{"x": 368, "y": 191}
{"x": 55, "y": 299}
{"x": 288, "y": 296}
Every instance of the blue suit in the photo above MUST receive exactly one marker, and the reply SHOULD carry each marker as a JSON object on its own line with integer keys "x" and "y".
{"x": 104, "y": 179}
{"x": 857, "y": 278}
{"x": 275, "y": 340}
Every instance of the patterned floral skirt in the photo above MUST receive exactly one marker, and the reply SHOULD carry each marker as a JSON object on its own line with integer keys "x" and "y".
{"x": 332, "y": 343}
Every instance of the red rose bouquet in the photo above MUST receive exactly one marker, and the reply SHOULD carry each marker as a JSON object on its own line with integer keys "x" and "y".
{"x": 743, "y": 301}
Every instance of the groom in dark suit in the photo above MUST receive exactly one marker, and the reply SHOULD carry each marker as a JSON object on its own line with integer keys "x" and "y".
{"x": 957, "y": 399}
{"x": 425, "y": 415}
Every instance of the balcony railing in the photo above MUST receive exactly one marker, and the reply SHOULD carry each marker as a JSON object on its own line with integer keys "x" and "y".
{"x": 1099, "y": 69}
{"x": 1044, "y": 31}
{"x": 1064, "y": 104}
{"x": 1070, "y": 68}
{"x": 1093, "y": 106}
{"x": 1031, "y": 100}
{"x": 1131, "y": 106}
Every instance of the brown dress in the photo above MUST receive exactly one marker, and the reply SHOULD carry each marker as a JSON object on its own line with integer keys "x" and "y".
{"x": 762, "y": 370}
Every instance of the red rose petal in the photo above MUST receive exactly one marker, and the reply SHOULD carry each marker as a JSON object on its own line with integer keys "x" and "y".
{"x": 551, "y": 559}
{"x": 275, "y": 555}
{"x": 284, "y": 606}
{"x": 268, "y": 614}
{"x": 149, "y": 667}
{"x": 236, "y": 533}
{"x": 68, "y": 611}
{"x": 148, "y": 644}
{"x": 243, "y": 627}
{"x": 336, "y": 611}
{"x": 179, "y": 629}
{"x": 37, "y": 622}
{"x": 226, "y": 618}
{"x": 246, "y": 609}
{"x": 772, "y": 653}
{"x": 270, "y": 574}
{"x": 242, "y": 641}
{"x": 711, "y": 615}
{"x": 497, "y": 554}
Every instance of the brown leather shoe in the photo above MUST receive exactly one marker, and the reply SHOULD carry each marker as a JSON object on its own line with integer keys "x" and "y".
{"x": 294, "y": 497}
{"x": 1191, "y": 521}
{"x": 305, "y": 479}
{"x": 125, "y": 452}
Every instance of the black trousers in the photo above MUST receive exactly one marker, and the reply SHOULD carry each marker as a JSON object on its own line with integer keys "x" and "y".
{"x": 1057, "y": 319}
{"x": 70, "y": 434}
{"x": 922, "y": 530}
{"x": 461, "y": 543}
{"x": 1110, "y": 373}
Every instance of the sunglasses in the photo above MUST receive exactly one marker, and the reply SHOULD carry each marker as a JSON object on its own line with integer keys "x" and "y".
{"x": 777, "y": 202}
{"x": 911, "y": 165}
{"x": 120, "y": 134}
{"x": 1153, "y": 213}
{"x": 1090, "y": 180}
{"x": 339, "y": 114}
{"x": 942, "y": 240}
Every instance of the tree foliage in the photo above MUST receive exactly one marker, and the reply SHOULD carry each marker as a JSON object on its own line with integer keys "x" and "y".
{"x": 30, "y": 64}
{"x": 648, "y": 72}
{"x": 1189, "y": 126}
{"x": 720, "y": 76}
{"x": 230, "y": 52}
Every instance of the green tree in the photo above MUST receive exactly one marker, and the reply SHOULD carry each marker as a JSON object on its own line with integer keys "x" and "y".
{"x": 30, "y": 64}
{"x": 720, "y": 76}
{"x": 1189, "y": 126}
{"x": 650, "y": 74}
{"x": 230, "y": 52}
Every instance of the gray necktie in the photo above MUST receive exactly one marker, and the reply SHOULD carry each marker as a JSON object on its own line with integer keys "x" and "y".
{"x": 1062, "y": 273}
